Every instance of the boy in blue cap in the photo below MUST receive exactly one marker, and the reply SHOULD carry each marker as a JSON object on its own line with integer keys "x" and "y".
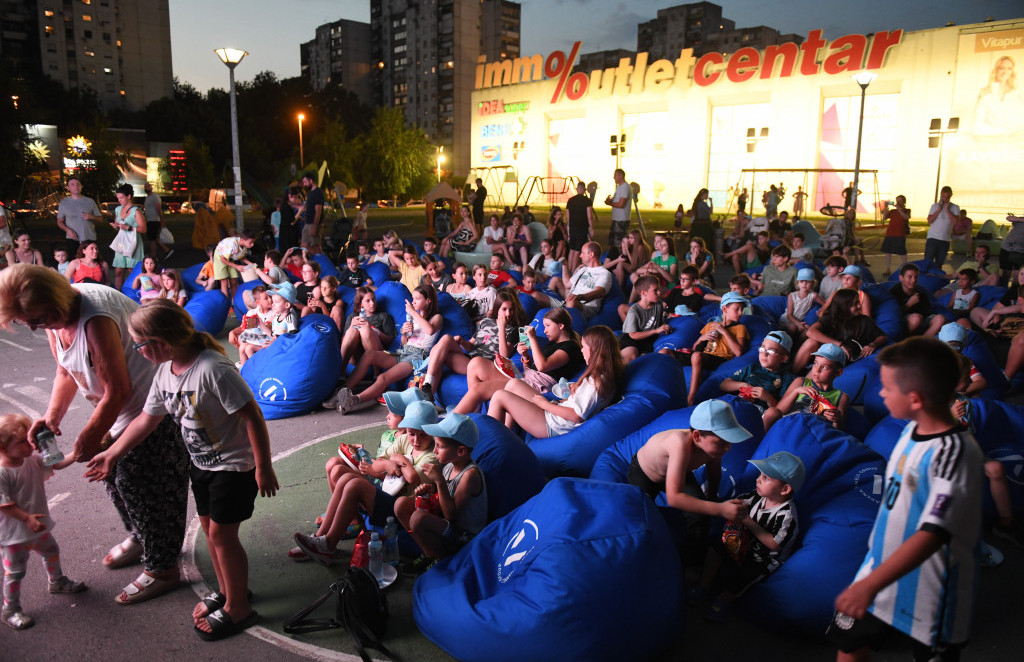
{"x": 759, "y": 543}
{"x": 763, "y": 383}
{"x": 815, "y": 394}
{"x": 460, "y": 488}
{"x": 667, "y": 461}
{"x": 719, "y": 341}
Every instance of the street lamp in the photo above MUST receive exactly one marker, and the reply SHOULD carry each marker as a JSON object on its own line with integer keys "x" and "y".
{"x": 231, "y": 57}
{"x": 754, "y": 136}
{"x": 935, "y": 135}
{"x": 862, "y": 78}
{"x": 302, "y": 160}
{"x": 440, "y": 160}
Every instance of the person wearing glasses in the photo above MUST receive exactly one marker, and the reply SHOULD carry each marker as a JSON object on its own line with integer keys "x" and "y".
{"x": 87, "y": 328}
{"x": 764, "y": 382}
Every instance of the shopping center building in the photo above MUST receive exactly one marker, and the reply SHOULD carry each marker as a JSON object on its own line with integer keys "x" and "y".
{"x": 946, "y": 106}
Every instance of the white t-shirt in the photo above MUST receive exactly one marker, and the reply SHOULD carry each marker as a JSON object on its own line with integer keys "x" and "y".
{"x": 942, "y": 227}
{"x": 494, "y": 234}
{"x": 585, "y": 402}
{"x": 23, "y": 486}
{"x": 588, "y": 279}
{"x": 622, "y": 191}
{"x": 203, "y": 401}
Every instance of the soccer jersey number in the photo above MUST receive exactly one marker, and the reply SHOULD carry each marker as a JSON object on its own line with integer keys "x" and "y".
{"x": 892, "y": 492}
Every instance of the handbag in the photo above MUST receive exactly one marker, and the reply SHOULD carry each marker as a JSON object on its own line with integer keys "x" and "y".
{"x": 124, "y": 242}
{"x": 165, "y": 236}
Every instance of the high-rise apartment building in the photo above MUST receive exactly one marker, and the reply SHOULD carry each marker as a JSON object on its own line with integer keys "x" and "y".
{"x": 701, "y": 26}
{"x": 425, "y": 54}
{"x": 119, "y": 49}
{"x": 339, "y": 54}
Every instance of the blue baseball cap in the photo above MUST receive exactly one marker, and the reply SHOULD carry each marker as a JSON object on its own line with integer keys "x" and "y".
{"x": 732, "y": 297}
{"x": 782, "y": 466}
{"x": 683, "y": 309}
{"x": 782, "y": 338}
{"x": 455, "y": 426}
{"x": 284, "y": 290}
{"x": 833, "y": 353}
{"x": 418, "y": 414}
{"x": 853, "y": 270}
{"x": 805, "y": 274}
{"x": 398, "y": 401}
{"x": 953, "y": 332}
{"x": 717, "y": 417}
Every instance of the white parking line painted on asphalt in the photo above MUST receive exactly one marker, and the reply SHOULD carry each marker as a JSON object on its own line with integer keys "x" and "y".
{"x": 14, "y": 344}
{"x": 24, "y": 408}
{"x": 35, "y": 393}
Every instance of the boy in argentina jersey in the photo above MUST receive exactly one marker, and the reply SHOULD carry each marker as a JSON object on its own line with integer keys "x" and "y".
{"x": 920, "y": 571}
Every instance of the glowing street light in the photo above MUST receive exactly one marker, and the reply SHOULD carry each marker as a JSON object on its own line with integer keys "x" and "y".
{"x": 231, "y": 57}
{"x": 440, "y": 160}
{"x": 302, "y": 159}
{"x": 862, "y": 78}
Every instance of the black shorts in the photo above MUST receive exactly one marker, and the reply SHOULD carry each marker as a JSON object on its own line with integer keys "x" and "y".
{"x": 851, "y": 634}
{"x": 638, "y": 477}
{"x": 645, "y": 346}
{"x": 1008, "y": 260}
{"x": 153, "y": 231}
{"x": 227, "y": 497}
{"x": 894, "y": 245}
{"x": 578, "y": 237}
{"x": 383, "y": 508}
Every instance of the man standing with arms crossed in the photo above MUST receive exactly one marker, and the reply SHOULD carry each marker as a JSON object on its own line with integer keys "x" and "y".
{"x": 580, "y": 210}
{"x": 75, "y": 216}
{"x": 479, "y": 197}
{"x": 941, "y": 217}
{"x": 313, "y": 213}
{"x": 620, "y": 202}
{"x": 155, "y": 222}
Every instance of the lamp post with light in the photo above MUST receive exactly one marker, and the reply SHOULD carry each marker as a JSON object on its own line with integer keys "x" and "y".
{"x": 440, "y": 160}
{"x": 231, "y": 57}
{"x": 302, "y": 159}
{"x": 862, "y": 78}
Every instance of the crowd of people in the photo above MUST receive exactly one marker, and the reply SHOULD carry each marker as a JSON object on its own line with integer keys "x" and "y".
{"x": 152, "y": 376}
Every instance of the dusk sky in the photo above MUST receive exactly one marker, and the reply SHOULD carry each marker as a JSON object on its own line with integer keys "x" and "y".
{"x": 271, "y": 30}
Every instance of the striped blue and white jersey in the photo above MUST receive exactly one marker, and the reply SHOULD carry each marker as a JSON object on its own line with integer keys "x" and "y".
{"x": 932, "y": 483}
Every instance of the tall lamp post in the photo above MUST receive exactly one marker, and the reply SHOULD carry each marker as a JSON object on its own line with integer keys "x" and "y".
{"x": 935, "y": 135}
{"x": 231, "y": 57}
{"x": 302, "y": 158}
{"x": 440, "y": 160}
{"x": 862, "y": 78}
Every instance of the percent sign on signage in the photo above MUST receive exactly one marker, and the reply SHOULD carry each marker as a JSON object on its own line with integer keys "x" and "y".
{"x": 574, "y": 86}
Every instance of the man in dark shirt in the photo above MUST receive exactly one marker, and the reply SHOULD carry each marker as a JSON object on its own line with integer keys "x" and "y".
{"x": 313, "y": 214}
{"x": 580, "y": 211}
{"x": 915, "y": 304}
{"x": 480, "y": 196}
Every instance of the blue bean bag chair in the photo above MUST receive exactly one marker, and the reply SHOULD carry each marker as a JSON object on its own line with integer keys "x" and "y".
{"x": 613, "y": 463}
{"x": 327, "y": 268}
{"x": 525, "y": 588}
{"x": 379, "y": 272}
{"x": 209, "y": 311}
{"x": 579, "y": 323}
{"x": 654, "y": 384}
{"x": 513, "y": 474}
{"x": 239, "y": 303}
{"x": 188, "y": 278}
{"x": 609, "y": 313}
{"x": 456, "y": 319}
{"x": 930, "y": 277}
{"x": 771, "y": 308}
{"x": 685, "y": 331}
{"x": 127, "y": 288}
{"x": 391, "y": 296}
{"x": 529, "y": 304}
{"x": 298, "y": 370}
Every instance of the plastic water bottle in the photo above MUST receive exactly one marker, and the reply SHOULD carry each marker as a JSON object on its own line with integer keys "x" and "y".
{"x": 561, "y": 389}
{"x": 48, "y": 447}
{"x": 391, "y": 542}
{"x": 376, "y": 549}
{"x": 363, "y": 455}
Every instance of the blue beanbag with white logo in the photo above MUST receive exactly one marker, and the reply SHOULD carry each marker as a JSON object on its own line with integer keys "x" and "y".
{"x": 298, "y": 370}
{"x": 583, "y": 571}
{"x": 654, "y": 384}
{"x": 209, "y": 311}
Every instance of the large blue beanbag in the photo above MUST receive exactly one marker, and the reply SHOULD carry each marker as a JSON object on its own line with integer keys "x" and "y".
{"x": 239, "y": 303}
{"x": 189, "y": 275}
{"x": 685, "y": 331}
{"x": 347, "y": 295}
{"x": 930, "y": 277}
{"x": 209, "y": 311}
{"x": 613, "y": 463}
{"x": 579, "y": 323}
{"x": 858, "y": 377}
{"x": 379, "y": 272}
{"x": 836, "y": 508}
{"x": 609, "y": 313}
{"x": 456, "y": 319}
{"x": 327, "y": 268}
{"x": 772, "y": 308}
{"x": 510, "y": 468}
{"x": 127, "y": 288}
{"x": 298, "y": 370}
{"x": 583, "y": 571}
{"x": 654, "y": 384}
{"x": 391, "y": 296}
{"x": 529, "y": 305}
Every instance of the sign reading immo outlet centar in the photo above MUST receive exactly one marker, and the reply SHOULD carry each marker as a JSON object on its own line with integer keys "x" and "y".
{"x": 846, "y": 54}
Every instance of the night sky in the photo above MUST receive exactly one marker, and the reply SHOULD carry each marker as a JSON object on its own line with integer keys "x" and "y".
{"x": 271, "y": 31}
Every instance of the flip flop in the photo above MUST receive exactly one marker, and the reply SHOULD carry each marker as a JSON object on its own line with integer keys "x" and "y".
{"x": 222, "y": 626}
{"x": 216, "y": 601}
{"x": 146, "y": 587}
{"x": 125, "y": 553}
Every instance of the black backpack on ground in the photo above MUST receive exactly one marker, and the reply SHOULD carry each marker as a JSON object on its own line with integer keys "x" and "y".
{"x": 362, "y": 610}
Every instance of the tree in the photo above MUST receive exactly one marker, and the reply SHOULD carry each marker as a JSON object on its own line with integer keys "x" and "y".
{"x": 332, "y": 144}
{"x": 199, "y": 171}
{"x": 393, "y": 156}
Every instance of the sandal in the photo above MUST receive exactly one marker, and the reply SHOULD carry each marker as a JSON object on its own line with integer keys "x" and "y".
{"x": 216, "y": 600}
{"x": 146, "y": 587}
{"x": 222, "y": 626}
{"x": 125, "y": 553}
{"x": 17, "y": 620}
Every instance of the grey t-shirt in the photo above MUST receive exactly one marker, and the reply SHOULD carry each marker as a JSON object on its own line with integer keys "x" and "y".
{"x": 643, "y": 319}
{"x": 152, "y": 209}
{"x": 71, "y": 210}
